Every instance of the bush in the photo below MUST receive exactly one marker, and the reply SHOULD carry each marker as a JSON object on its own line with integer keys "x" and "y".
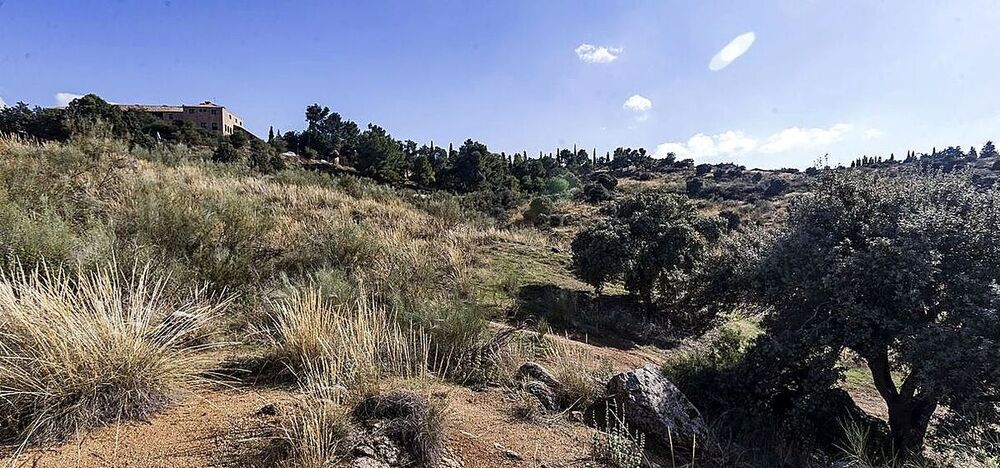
{"x": 556, "y": 185}
{"x": 219, "y": 238}
{"x": 596, "y": 193}
{"x": 93, "y": 349}
{"x": 539, "y": 207}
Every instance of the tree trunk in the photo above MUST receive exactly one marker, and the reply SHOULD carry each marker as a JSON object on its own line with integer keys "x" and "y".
{"x": 908, "y": 421}
{"x": 909, "y": 414}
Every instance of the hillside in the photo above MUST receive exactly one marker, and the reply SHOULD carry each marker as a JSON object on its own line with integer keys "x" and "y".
{"x": 162, "y": 309}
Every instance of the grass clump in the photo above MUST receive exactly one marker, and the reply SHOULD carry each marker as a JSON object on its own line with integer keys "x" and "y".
{"x": 355, "y": 343}
{"x": 409, "y": 419}
{"x": 581, "y": 374}
{"x": 85, "y": 350}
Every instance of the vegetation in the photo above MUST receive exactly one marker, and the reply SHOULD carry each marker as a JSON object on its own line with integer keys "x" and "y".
{"x": 902, "y": 271}
{"x": 651, "y": 241}
{"x": 365, "y": 265}
{"x": 82, "y": 351}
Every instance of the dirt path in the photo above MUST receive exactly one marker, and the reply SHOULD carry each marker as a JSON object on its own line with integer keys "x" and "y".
{"x": 200, "y": 430}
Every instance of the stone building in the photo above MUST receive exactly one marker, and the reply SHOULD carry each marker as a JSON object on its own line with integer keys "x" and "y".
{"x": 207, "y": 115}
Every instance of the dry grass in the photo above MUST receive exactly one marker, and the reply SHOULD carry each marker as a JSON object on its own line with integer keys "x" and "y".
{"x": 79, "y": 351}
{"x": 353, "y": 345}
{"x": 582, "y": 374}
{"x": 315, "y": 434}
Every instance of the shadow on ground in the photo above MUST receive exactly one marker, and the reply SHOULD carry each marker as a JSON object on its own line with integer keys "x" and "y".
{"x": 607, "y": 320}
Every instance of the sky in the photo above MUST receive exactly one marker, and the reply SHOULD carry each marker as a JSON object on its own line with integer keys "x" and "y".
{"x": 770, "y": 83}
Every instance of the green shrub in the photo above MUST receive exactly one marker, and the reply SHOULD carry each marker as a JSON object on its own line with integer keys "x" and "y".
{"x": 539, "y": 207}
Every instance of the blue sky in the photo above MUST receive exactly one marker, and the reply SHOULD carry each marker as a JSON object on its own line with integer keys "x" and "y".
{"x": 840, "y": 77}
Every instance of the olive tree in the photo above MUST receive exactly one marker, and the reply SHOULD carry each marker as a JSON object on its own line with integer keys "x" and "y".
{"x": 902, "y": 270}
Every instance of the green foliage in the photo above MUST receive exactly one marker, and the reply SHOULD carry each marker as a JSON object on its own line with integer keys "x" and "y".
{"x": 600, "y": 253}
{"x": 539, "y": 207}
{"x": 226, "y": 153}
{"x": 219, "y": 239}
{"x": 476, "y": 168}
{"x": 652, "y": 241}
{"x": 380, "y": 156}
{"x": 556, "y": 186}
{"x": 901, "y": 270}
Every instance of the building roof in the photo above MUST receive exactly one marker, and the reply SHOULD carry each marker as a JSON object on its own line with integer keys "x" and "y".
{"x": 152, "y": 107}
{"x": 206, "y": 104}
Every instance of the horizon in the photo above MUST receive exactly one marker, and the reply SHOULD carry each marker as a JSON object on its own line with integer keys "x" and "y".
{"x": 768, "y": 86}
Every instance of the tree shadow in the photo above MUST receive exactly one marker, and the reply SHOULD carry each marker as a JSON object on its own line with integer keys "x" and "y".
{"x": 615, "y": 321}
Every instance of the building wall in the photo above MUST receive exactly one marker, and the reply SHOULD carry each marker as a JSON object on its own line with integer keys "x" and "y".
{"x": 215, "y": 119}
{"x": 208, "y": 118}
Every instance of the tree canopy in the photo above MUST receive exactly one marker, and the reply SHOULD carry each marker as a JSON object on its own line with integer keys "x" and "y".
{"x": 901, "y": 270}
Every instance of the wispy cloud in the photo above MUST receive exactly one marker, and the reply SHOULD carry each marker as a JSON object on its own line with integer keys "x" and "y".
{"x": 732, "y": 143}
{"x": 637, "y": 103}
{"x": 2, "y": 103}
{"x": 590, "y": 53}
{"x": 796, "y": 138}
{"x": 732, "y": 51}
{"x": 63, "y": 99}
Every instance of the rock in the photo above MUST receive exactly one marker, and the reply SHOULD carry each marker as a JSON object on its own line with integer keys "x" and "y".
{"x": 650, "y": 403}
{"x": 269, "y": 409}
{"x": 506, "y": 452}
{"x": 364, "y": 450}
{"x": 576, "y": 416}
{"x": 543, "y": 393}
{"x": 366, "y": 462}
{"x": 535, "y": 371}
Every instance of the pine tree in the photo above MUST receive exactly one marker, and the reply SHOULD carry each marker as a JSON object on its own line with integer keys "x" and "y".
{"x": 989, "y": 151}
{"x": 270, "y": 134}
{"x": 972, "y": 153}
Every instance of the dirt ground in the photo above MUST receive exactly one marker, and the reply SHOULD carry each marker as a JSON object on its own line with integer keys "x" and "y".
{"x": 207, "y": 428}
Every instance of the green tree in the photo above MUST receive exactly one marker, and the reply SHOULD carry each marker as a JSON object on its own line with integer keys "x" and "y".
{"x": 600, "y": 253}
{"x": 380, "y": 156}
{"x": 476, "y": 168}
{"x": 989, "y": 150}
{"x": 903, "y": 271}
{"x": 226, "y": 153}
{"x": 421, "y": 170}
{"x": 663, "y": 237}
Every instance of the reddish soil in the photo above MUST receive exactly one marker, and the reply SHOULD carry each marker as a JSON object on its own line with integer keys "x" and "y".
{"x": 206, "y": 429}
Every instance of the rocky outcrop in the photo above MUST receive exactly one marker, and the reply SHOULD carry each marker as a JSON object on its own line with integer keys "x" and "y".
{"x": 650, "y": 403}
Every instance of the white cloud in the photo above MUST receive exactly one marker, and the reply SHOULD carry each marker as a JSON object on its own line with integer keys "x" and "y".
{"x": 873, "y": 133}
{"x": 729, "y": 144}
{"x": 63, "y": 99}
{"x": 637, "y": 103}
{"x": 597, "y": 54}
{"x": 795, "y": 137}
{"x": 2, "y": 104}
{"x": 732, "y": 51}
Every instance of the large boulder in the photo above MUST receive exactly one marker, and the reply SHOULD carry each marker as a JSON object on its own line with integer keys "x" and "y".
{"x": 650, "y": 403}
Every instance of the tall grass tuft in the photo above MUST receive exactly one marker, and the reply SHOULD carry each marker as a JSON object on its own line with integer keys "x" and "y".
{"x": 84, "y": 350}
{"x": 355, "y": 344}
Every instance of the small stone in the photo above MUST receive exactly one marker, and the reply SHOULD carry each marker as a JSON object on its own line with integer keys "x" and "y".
{"x": 364, "y": 451}
{"x": 366, "y": 462}
{"x": 269, "y": 409}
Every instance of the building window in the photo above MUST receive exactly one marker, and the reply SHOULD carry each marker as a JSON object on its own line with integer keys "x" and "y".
{"x": 204, "y": 125}
{"x": 215, "y": 127}
{"x": 190, "y": 111}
